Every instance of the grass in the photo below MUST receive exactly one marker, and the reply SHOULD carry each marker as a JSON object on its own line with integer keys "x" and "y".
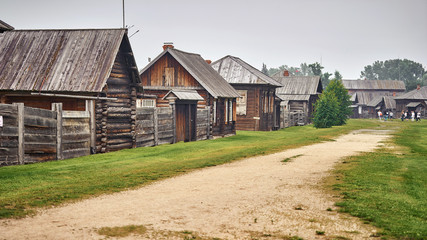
{"x": 28, "y": 187}
{"x": 388, "y": 188}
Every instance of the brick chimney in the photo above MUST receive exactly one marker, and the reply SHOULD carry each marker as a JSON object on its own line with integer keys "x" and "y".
{"x": 286, "y": 73}
{"x": 208, "y": 62}
{"x": 418, "y": 86}
{"x": 167, "y": 45}
{"x": 394, "y": 94}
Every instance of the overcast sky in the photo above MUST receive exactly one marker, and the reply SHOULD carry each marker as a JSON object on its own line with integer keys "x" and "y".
{"x": 343, "y": 35}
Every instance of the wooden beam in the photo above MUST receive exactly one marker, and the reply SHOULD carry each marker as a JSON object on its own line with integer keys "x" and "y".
{"x": 73, "y": 96}
{"x": 21, "y": 127}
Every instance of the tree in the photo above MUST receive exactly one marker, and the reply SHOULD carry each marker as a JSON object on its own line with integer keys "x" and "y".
{"x": 341, "y": 93}
{"x": 325, "y": 110}
{"x": 405, "y": 70}
{"x": 316, "y": 68}
{"x": 325, "y": 79}
{"x": 264, "y": 69}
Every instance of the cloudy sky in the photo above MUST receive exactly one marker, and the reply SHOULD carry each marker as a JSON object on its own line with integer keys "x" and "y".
{"x": 343, "y": 35}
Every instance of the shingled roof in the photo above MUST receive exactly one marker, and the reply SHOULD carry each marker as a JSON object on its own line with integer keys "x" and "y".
{"x": 374, "y": 85}
{"x": 58, "y": 60}
{"x": 299, "y": 85}
{"x": 201, "y": 71}
{"x": 236, "y": 71}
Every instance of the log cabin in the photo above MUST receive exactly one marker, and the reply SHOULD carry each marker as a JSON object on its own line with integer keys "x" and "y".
{"x": 84, "y": 69}
{"x": 363, "y": 92}
{"x": 298, "y": 95}
{"x": 258, "y": 109}
{"x": 415, "y": 100}
{"x": 202, "y": 103}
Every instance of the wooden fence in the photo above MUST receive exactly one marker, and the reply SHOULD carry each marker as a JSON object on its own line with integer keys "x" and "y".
{"x": 30, "y": 135}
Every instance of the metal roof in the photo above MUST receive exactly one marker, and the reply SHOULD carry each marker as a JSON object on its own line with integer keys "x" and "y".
{"x": 299, "y": 85}
{"x": 185, "y": 95}
{"x": 374, "y": 85}
{"x": 236, "y": 71}
{"x": 58, "y": 60}
{"x": 201, "y": 71}
{"x": 420, "y": 94}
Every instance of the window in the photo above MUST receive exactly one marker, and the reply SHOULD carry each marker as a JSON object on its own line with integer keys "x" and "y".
{"x": 169, "y": 76}
{"x": 214, "y": 112}
{"x": 241, "y": 102}
{"x": 265, "y": 99}
{"x": 145, "y": 103}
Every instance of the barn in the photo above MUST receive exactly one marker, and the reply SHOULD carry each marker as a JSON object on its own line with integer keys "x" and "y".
{"x": 298, "y": 95}
{"x": 258, "y": 108}
{"x": 87, "y": 70}
{"x": 201, "y": 102}
{"x": 364, "y": 91}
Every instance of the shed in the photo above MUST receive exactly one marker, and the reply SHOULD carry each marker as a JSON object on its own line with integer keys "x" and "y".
{"x": 258, "y": 108}
{"x": 84, "y": 69}
{"x": 299, "y": 94}
{"x": 201, "y": 103}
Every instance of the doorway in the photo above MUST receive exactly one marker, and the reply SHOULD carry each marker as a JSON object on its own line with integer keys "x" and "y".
{"x": 186, "y": 122}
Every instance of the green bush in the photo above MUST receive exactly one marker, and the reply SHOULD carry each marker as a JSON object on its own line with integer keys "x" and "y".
{"x": 325, "y": 110}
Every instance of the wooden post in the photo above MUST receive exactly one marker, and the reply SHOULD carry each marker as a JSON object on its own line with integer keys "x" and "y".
{"x": 208, "y": 127}
{"x": 156, "y": 126}
{"x": 90, "y": 107}
{"x": 173, "y": 105}
{"x": 57, "y": 107}
{"x": 21, "y": 128}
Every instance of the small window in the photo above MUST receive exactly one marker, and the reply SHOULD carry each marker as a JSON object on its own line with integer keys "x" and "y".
{"x": 241, "y": 102}
{"x": 145, "y": 103}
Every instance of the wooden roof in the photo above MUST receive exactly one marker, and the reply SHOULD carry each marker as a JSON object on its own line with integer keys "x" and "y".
{"x": 299, "y": 85}
{"x": 5, "y": 27}
{"x": 365, "y": 97}
{"x": 420, "y": 94}
{"x": 388, "y": 101}
{"x": 393, "y": 85}
{"x": 236, "y": 71}
{"x": 201, "y": 71}
{"x": 58, "y": 60}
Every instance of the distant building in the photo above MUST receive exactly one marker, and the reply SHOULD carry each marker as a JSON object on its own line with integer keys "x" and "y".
{"x": 258, "y": 108}
{"x": 363, "y": 92}
{"x": 415, "y": 100}
{"x": 298, "y": 95}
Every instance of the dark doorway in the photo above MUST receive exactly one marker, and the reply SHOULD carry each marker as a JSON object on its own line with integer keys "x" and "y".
{"x": 186, "y": 122}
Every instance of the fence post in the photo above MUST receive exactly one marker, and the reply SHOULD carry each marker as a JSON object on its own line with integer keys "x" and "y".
{"x": 57, "y": 107}
{"x": 90, "y": 107}
{"x": 156, "y": 126}
{"x": 173, "y": 105}
{"x": 21, "y": 128}
{"x": 208, "y": 127}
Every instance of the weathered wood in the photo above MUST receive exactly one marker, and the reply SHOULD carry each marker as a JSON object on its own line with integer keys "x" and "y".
{"x": 57, "y": 107}
{"x": 21, "y": 127}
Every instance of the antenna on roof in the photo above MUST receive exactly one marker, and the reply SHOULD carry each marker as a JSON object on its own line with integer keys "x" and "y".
{"x": 123, "y": 5}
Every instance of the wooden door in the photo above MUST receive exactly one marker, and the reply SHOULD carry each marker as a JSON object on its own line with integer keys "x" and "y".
{"x": 186, "y": 122}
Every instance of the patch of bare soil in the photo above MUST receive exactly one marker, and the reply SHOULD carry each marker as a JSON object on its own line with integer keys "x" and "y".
{"x": 260, "y": 197}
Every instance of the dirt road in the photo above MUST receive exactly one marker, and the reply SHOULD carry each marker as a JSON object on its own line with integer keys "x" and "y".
{"x": 259, "y": 197}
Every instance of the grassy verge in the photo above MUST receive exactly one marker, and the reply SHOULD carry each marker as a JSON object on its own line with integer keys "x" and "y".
{"x": 24, "y": 188}
{"x": 388, "y": 188}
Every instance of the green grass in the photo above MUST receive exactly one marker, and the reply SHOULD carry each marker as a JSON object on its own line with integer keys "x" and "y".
{"x": 388, "y": 188}
{"x": 27, "y": 187}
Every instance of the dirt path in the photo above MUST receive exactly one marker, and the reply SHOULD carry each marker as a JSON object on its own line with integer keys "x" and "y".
{"x": 258, "y": 197}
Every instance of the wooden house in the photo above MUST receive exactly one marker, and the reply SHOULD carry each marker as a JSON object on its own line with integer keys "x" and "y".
{"x": 415, "y": 100}
{"x": 298, "y": 95}
{"x": 364, "y": 91}
{"x": 203, "y": 104}
{"x": 85, "y": 70}
{"x": 383, "y": 104}
{"x": 258, "y": 108}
